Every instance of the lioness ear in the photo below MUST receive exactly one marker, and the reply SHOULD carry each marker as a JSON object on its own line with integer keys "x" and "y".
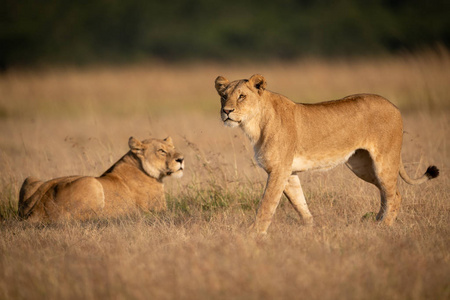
{"x": 135, "y": 145}
{"x": 258, "y": 82}
{"x": 169, "y": 140}
{"x": 221, "y": 83}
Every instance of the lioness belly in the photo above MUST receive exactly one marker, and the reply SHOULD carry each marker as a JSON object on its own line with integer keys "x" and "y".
{"x": 304, "y": 163}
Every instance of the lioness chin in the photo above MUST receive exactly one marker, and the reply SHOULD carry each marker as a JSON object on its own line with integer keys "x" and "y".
{"x": 133, "y": 183}
{"x": 364, "y": 131}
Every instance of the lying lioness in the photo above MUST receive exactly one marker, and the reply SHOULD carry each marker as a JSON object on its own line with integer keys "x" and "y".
{"x": 364, "y": 131}
{"x": 134, "y": 182}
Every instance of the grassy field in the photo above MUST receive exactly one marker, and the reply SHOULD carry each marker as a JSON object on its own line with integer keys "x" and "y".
{"x": 57, "y": 122}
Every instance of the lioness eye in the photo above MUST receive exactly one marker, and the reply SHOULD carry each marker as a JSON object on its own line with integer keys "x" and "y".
{"x": 241, "y": 97}
{"x": 162, "y": 152}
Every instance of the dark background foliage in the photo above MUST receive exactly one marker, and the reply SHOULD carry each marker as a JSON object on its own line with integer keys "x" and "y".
{"x": 113, "y": 31}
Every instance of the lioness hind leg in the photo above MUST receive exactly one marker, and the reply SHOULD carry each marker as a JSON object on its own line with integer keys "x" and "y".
{"x": 383, "y": 175}
{"x": 387, "y": 170}
{"x": 29, "y": 187}
{"x": 77, "y": 199}
{"x": 390, "y": 206}
{"x": 293, "y": 191}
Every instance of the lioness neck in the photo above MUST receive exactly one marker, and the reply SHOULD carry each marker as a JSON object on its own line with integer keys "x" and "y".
{"x": 125, "y": 184}
{"x": 129, "y": 165}
{"x": 267, "y": 115}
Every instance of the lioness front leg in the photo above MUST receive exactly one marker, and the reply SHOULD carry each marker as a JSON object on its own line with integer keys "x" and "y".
{"x": 294, "y": 193}
{"x": 276, "y": 183}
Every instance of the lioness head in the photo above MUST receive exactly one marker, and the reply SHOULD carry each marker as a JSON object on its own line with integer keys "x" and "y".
{"x": 240, "y": 99}
{"x": 158, "y": 158}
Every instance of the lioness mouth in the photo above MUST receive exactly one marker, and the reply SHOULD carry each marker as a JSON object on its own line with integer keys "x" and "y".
{"x": 228, "y": 119}
{"x": 171, "y": 172}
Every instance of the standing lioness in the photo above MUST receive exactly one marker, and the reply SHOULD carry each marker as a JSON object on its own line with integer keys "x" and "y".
{"x": 134, "y": 182}
{"x": 364, "y": 131}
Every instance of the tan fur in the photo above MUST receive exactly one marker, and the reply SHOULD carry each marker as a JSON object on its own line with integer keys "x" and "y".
{"x": 132, "y": 183}
{"x": 364, "y": 131}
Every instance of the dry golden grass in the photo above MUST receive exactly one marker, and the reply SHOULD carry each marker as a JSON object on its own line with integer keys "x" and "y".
{"x": 61, "y": 122}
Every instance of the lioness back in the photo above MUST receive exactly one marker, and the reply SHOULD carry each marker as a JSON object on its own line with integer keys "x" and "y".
{"x": 335, "y": 129}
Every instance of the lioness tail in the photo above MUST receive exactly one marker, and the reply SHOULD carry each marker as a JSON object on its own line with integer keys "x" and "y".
{"x": 432, "y": 172}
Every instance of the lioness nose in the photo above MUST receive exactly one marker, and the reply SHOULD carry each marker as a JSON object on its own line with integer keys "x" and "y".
{"x": 179, "y": 160}
{"x": 227, "y": 111}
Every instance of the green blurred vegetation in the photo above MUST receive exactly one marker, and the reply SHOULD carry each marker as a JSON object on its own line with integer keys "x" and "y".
{"x": 114, "y": 31}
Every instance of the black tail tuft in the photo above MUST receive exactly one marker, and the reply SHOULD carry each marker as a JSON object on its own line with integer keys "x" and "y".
{"x": 432, "y": 172}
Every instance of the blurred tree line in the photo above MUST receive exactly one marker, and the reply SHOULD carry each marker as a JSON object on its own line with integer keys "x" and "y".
{"x": 114, "y": 31}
